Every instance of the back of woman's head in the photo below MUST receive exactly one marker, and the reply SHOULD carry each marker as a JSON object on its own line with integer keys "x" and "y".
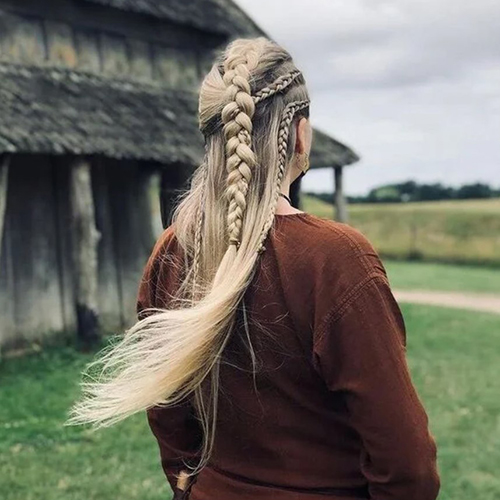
{"x": 249, "y": 103}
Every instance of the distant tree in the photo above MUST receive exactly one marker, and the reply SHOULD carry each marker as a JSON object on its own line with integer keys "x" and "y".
{"x": 357, "y": 199}
{"x": 385, "y": 194}
{"x": 475, "y": 191}
{"x": 433, "y": 192}
{"x": 321, "y": 196}
{"x": 408, "y": 190}
{"x": 412, "y": 191}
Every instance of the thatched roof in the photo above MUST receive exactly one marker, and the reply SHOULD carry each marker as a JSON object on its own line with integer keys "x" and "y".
{"x": 59, "y": 111}
{"x": 218, "y": 16}
{"x": 328, "y": 152}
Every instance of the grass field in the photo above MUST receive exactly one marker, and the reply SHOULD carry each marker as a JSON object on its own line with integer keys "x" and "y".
{"x": 453, "y": 358}
{"x": 450, "y": 231}
{"x": 442, "y": 277}
{"x": 41, "y": 459}
{"x": 454, "y": 362}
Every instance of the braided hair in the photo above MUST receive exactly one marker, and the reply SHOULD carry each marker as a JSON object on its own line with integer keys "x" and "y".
{"x": 249, "y": 102}
{"x": 237, "y": 118}
{"x": 236, "y": 121}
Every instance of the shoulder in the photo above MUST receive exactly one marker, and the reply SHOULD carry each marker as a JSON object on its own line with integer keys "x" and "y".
{"x": 337, "y": 248}
{"x": 161, "y": 272}
{"x": 323, "y": 265}
{"x": 165, "y": 250}
{"x": 165, "y": 240}
{"x": 354, "y": 279}
{"x": 344, "y": 235}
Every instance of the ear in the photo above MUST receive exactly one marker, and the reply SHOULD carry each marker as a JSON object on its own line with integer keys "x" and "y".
{"x": 301, "y": 136}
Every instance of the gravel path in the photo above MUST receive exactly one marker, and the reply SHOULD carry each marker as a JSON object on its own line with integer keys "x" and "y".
{"x": 473, "y": 301}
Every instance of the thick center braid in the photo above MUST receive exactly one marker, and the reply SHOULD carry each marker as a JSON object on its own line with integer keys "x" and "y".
{"x": 283, "y": 134}
{"x": 237, "y": 118}
{"x": 278, "y": 85}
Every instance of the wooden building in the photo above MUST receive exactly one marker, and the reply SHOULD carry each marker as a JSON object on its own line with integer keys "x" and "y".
{"x": 98, "y": 102}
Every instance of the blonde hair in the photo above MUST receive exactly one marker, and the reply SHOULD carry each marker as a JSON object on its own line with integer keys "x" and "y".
{"x": 249, "y": 102}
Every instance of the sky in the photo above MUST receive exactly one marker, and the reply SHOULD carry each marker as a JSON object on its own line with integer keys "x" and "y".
{"x": 413, "y": 86}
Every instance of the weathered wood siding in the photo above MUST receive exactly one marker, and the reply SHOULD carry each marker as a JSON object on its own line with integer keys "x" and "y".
{"x": 31, "y": 287}
{"x": 110, "y": 307}
{"x": 126, "y": 221}
{"x": 36, "y": 269}
{"x": 132, "y": 229}
{"x": 75, "y": 38}
{"x": 63, "y": 221}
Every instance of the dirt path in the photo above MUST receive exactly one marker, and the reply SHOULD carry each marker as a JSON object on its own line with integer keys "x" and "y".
{"x": 473, "y": 301}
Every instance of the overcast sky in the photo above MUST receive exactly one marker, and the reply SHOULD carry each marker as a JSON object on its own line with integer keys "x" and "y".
{"x": 413, "y": 86}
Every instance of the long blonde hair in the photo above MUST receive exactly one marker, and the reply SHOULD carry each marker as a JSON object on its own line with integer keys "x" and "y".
{"x": 249, "y": 102}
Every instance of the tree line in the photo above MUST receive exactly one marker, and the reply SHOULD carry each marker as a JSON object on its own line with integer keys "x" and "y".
{"x": 414, "y": 191}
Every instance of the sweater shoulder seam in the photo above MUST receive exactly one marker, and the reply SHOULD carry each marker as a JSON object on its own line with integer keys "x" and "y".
{"x": 337, "y": 312}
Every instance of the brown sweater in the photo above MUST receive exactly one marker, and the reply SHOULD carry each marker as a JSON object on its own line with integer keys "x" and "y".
{"x": 332, "y": 409}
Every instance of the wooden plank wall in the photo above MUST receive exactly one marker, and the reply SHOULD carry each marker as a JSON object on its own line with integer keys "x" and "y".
{"x": 31, "y": 287}
{"x": 133, "y": 229}
{"x": 31, "y": 39}
{"x": 60, "y": 177}
{"x": 127, "y": 219}
{"x": 110, "y": 304}
{"x": 36, "y": 273}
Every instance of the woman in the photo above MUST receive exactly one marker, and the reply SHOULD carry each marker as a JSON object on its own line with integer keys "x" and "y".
{"x": 269, "y": 352}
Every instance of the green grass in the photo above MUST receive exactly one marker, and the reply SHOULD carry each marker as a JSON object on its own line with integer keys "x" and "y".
{"x": 453, "y": 357}
{"x": 41, "y": 459}
{"x": 442, "y": 277}
{"x": 450, "y": 231}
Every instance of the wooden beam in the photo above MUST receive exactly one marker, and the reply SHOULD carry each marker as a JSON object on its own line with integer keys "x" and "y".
{"x": 4, "y": 182}
{"x": 340, "y": 202}
{"x": 84, "y": 237}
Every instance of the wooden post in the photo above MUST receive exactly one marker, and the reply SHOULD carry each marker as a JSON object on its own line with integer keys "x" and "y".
{"x": 4, "y": 181}
{"x": 340, "y": 203}
{"x": 84, "y": 243}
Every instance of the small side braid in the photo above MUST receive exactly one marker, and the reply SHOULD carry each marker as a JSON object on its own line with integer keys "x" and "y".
{"x": 237, "y": 118}
{"x": 278, "y": 85}
{"x": 199, "y": 227}
{"x": 283, "y": 133}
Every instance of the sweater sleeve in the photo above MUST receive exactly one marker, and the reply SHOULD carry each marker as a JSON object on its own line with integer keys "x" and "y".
{"x": 178, "y": 434}
{"x": 361, "y": 354}
{"x": 175, "y": 428}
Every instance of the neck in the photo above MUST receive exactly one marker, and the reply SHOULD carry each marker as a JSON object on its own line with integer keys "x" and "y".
{"x": 285, "y": 187}
{"x": 283, "y": 206}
